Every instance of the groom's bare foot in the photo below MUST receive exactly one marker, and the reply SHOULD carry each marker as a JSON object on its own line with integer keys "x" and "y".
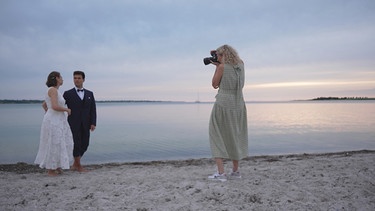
{"x": 82, "y": 170}
{"x": 78, "y": 168}
{"x": 74, "y": 168}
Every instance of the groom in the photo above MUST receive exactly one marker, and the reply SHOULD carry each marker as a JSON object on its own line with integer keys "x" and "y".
{"x": 82, "y": 119}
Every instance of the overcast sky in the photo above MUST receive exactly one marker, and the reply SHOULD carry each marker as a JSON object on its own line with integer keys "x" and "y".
{"x": 153, "y": 49}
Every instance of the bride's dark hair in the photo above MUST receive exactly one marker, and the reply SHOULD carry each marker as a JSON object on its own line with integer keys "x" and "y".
{"x": 52, "y": 78}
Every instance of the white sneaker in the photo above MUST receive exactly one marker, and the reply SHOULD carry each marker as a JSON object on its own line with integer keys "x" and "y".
{"x": 220, "y": 177}
{"x": 235, "y": 175}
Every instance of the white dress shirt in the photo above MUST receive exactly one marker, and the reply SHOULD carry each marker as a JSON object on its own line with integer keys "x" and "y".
{"x": 80, "y": 93}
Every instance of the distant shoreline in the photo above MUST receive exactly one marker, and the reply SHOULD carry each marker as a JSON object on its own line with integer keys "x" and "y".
{"x": 344, "y": 98}
{"x": 98, "y": 101}
{"x": 23, "y": 101}
{"x": 25, "y": 168}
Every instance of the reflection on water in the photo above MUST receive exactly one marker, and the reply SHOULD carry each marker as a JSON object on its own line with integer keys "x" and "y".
{"x": 303, "y": 127}
{"x": 156, "y": 131}
{"x": 299, "y": 117}
{"x": 160, "y": 131}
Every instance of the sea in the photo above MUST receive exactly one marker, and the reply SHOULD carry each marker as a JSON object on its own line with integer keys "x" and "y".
{"x": 155, "y": 131}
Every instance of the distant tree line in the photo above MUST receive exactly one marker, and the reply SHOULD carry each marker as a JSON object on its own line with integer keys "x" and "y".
{"x": 100, "y": 101}
{"x": 130, "y": 101}
{"x": 20, "y": 101}
{"x": 343, "y": 98}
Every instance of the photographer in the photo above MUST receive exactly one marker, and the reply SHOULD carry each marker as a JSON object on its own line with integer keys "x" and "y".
{"x": 228, "y": 122}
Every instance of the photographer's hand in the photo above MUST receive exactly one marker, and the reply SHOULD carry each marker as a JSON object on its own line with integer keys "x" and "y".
{"x": 215, "y": 63}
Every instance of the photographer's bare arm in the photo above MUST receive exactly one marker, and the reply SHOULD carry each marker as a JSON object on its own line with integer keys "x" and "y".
{"x": 218, "y": 74}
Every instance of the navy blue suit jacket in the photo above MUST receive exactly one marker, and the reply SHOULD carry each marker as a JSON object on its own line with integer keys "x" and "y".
{"x": 83, "y": 111}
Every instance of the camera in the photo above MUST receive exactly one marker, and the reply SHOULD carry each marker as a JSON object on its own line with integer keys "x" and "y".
{"x": 209, "y": 60}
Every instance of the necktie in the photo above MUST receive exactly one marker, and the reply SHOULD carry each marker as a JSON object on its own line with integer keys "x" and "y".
{"x": 79, "y": 90}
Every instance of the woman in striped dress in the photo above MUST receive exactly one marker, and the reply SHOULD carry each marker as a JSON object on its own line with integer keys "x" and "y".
{"x": 228, "y": 122}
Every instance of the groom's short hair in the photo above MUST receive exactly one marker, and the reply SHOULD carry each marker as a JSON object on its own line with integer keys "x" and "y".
{"x": 78, "y": 72}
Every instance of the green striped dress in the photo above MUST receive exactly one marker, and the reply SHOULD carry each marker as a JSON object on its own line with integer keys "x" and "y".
{"x": 228, "y": 122}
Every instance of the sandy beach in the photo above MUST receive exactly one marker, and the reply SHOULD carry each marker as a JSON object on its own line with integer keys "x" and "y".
{"x": 330, "y": 181}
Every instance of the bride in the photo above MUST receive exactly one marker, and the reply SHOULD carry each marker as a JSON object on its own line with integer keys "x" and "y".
{"x": 56, "y": 141}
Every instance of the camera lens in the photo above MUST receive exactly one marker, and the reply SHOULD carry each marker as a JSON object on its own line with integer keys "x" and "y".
{"x": 207, "y": 60}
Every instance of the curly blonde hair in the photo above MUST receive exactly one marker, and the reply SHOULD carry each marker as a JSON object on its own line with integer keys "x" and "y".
{"x": 230, "y": 54}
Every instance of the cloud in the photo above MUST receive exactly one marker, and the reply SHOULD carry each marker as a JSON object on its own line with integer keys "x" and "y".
{"x": 311, "y": 83}
{"x": 154, "y": 49}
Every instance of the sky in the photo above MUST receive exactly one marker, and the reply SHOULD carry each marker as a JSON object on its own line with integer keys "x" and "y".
{"x": 154, "y": 49}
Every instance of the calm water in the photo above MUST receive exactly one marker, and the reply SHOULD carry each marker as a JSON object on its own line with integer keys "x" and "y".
{"x": 166, "y": 131}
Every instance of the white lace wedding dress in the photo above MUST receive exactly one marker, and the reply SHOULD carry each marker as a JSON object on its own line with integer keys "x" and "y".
{"x": 56, "y": 141}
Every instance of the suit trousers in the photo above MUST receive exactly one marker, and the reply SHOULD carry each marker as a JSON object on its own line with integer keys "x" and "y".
{"x": 81, "y": 137}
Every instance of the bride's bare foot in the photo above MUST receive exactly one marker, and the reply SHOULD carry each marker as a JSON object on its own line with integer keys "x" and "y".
{"x": 59, "y": 170}
{"x": 52, "y": 173}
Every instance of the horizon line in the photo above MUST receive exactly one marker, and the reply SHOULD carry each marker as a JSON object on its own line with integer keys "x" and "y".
{"x": 4, "y": 101}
